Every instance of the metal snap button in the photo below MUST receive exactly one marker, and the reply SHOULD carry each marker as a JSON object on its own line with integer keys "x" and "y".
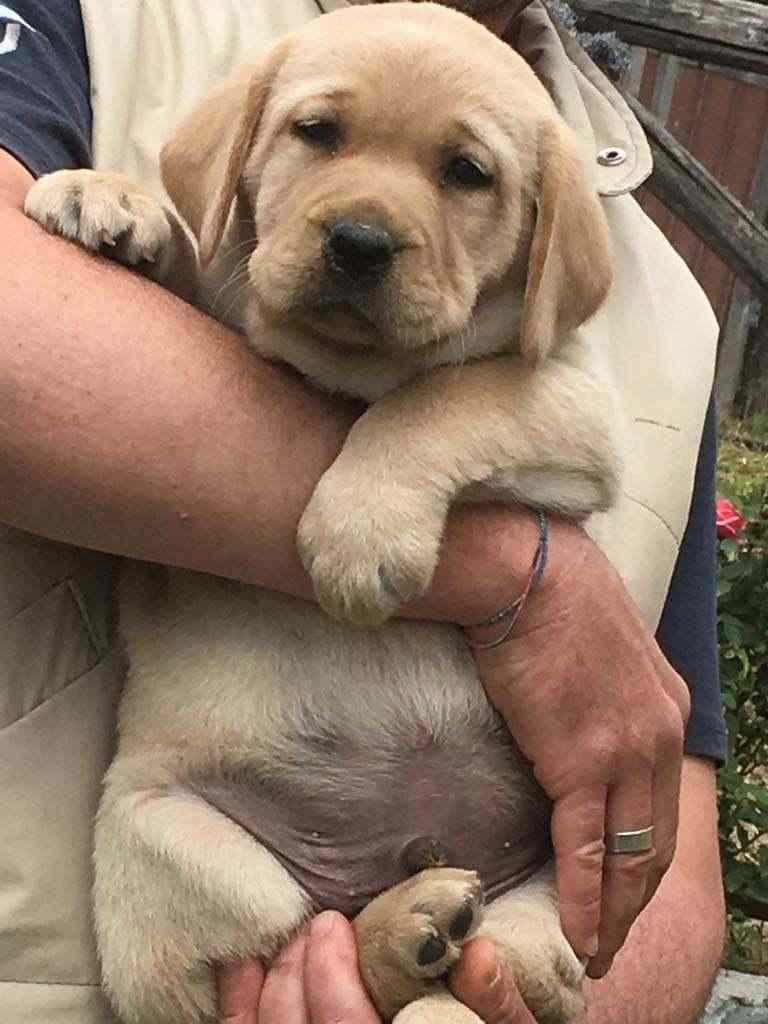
{"x": 612, "y": 156}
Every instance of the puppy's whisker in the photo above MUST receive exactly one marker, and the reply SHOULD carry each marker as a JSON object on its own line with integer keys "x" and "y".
{"x": 238, "y": 282}
{"x": 239, "y": 274}
{"x": 465, "y": 339}
{"x": 247, "y": 241}
{"x": 234, "y": 300}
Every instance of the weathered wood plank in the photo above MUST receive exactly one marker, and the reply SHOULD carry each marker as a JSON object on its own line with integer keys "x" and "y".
{"x": 749, "y": 905}
{"x": 732, "y": 347}
{"x": 688, "y": 189}
{"x": 724, "y": 33}
{"x": 701, "y": 51}
{"x": 740, "y": 23}
{"x": 754, "y": 394}
{"x": 745, "y": 306}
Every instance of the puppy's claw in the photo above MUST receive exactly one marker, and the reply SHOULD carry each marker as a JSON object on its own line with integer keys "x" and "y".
{"x": 388, "y": 585}
{"x": 101, "y": 211}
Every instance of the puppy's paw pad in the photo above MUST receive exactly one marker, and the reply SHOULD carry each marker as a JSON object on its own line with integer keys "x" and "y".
{"x": 435, "y": 947}
{"x": 432, "y": 949}
{"x": 463, "y": 921}
{"x": 102, "y": 213}
{"x": 444, "y": 909}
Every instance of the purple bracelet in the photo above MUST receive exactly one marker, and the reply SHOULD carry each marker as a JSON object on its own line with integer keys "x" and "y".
{"x": 514, "y": 610}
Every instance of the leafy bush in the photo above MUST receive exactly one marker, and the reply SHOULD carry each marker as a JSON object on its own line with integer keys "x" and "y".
{"x": 743, "y": 638}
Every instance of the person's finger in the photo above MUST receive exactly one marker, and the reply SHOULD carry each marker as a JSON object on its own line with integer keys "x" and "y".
{"x": 625, "y": 875}
{"x": 481, "y": 983}
{"x": 238, "y": 986}
{"x": 282, "y": 998}
{"x": 673, "y": 684}
{"x": 332, "y": 984}
{"x": 578, "y": 838}
{"x": 667, "y": 777}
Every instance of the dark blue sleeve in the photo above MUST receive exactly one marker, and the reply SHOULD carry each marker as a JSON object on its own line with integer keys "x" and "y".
{"x": 687, "y": 633}
{"x": 45, "y": 111}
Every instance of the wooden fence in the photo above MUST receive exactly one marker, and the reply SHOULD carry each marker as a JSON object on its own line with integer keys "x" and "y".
{"x": 699, "y": 82}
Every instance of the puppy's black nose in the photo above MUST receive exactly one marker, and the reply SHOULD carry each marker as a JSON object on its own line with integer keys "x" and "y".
{"x": 361, "y": 252}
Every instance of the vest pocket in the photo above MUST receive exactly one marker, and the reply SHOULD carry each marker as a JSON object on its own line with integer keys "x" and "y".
{"x": 44, "y": 647}
{"x": 52, "y": 761}
{"x": 28, "y": 1003}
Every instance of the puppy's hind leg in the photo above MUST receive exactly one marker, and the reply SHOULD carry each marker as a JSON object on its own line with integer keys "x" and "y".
{"x": 525, "y": 927}
{"x": 440, "y": 1007}
{"x": 411, "y": 935}
{"x": 180, "y": 887}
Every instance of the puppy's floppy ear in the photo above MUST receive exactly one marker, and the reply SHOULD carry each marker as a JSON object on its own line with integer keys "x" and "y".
{"x": 203, "y": 161}
{"x": 569, "y": 264}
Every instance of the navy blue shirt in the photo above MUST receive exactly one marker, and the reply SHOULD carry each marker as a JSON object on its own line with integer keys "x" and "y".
{"x": 45, "y": 122}
{"x": 45, "y": 108}
{"x": 687, "y": 632}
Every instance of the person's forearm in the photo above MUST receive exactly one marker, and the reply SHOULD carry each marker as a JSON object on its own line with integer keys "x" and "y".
{"x": 664, "y": 973}
{"x": 132, "y": 423}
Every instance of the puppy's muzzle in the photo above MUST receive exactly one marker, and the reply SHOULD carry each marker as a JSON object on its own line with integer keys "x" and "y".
{"x": 359, "y": 254}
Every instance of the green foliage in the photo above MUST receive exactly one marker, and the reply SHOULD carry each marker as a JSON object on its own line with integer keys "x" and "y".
{"x": 743, "y": 639}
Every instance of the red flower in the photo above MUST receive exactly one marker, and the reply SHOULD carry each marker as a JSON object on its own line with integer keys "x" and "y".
{"x": 730, "y": 522}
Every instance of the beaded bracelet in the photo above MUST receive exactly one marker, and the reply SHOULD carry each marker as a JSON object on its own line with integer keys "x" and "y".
{"x": 514, "y": 610}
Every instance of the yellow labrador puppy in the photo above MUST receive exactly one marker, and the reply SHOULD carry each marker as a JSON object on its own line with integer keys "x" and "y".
{"x": 418, "y": 231}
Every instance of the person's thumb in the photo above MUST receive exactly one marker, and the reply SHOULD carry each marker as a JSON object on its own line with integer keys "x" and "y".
{"x": 481, "y": 983}
{"x": 239, "y": 986}
{"x": 332, "y": 983}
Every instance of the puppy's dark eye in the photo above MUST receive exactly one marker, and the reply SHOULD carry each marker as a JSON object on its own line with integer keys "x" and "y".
{"x": 464, "y": 172}
{"x": 318, "y": 132}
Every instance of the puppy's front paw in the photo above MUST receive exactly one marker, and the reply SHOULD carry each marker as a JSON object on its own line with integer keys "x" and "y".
{"x": 102, "y": 212}
{"x": 369, "y": 548}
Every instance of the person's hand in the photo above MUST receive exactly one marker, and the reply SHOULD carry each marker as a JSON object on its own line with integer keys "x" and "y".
{"x": 598, "y": 711}
{"x": 314, "y": 980}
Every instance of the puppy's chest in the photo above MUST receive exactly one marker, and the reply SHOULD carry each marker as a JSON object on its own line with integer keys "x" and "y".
{"x": 370, "y": 373}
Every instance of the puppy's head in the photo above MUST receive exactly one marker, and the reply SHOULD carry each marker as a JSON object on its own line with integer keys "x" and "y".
{"x": 398, "y": 161}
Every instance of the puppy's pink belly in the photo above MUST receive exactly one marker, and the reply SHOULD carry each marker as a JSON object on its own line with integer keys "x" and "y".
{"x": 363, "y": 825}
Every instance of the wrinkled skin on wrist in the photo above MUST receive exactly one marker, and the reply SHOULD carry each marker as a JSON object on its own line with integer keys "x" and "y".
{"x": 599, "y": 712}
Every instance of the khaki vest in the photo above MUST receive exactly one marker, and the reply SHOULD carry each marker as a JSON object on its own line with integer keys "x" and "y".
{"x": 149, "y": 60}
